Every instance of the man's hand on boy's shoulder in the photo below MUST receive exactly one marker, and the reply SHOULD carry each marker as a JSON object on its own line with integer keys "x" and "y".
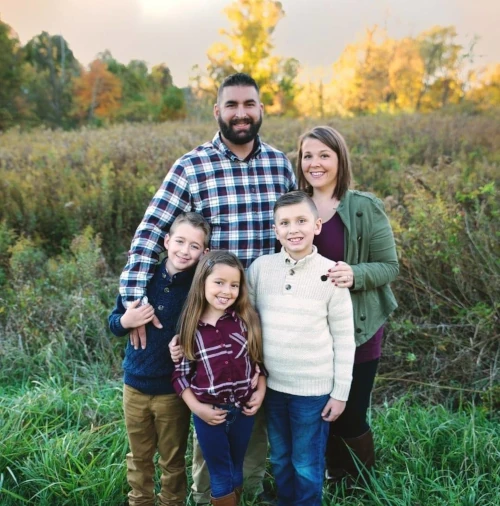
{"x": 332, "y": 410}
{"x": 135, "y": 318}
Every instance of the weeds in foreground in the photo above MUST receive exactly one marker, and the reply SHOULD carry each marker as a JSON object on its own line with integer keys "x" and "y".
{"x": 66, "y": 445}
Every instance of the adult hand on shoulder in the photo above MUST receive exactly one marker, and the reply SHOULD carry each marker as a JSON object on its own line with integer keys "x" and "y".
{"x": 138, "y": 334}
{"x": 342, "y": 275}
{"x": 333, "y": 410}
{"x": 175, "y": 349}
{"x": 210, "y": 414}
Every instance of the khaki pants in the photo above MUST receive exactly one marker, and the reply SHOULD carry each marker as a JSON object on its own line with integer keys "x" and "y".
{"x": 156, "y": 422}
{"x": 254, "y": 466}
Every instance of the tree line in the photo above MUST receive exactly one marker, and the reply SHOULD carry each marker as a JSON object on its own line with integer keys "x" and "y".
{"x": 42, "y": 83}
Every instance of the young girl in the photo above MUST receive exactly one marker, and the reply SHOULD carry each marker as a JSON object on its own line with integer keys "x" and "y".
{"x": 221, "y": 338}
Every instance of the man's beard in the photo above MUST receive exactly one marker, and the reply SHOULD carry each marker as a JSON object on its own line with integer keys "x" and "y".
{"x": 242, "y": 137}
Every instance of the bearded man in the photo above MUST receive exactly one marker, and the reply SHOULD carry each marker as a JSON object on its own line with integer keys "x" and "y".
{"x": 233, "y": 181}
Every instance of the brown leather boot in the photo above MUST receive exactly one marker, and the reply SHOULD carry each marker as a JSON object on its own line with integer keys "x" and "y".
{"x": 352, "y": 457}
{"x": 227, "y": 500}
{"x": 238, "y": 491}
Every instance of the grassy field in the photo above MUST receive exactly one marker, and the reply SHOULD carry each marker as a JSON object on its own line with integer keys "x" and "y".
{"x": 64, "y": 443}
{"x": 70, "y": 202}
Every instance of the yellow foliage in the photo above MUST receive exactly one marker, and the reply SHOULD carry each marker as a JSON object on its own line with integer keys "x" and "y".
{"x": 98, "y": 92}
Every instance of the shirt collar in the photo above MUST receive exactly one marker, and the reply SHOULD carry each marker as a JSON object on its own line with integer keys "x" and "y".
{"x": 289, "y": 261}
{"x": 219, "y": 145}
{"x": 182, "y": 277}
{"x": 228, "y": 313}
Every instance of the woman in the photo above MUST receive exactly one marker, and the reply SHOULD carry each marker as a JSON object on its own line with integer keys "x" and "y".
{"x": 356, "y": 234}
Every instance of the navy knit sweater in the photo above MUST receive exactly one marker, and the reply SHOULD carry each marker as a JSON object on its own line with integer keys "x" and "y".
{"x": 150, "y": 370}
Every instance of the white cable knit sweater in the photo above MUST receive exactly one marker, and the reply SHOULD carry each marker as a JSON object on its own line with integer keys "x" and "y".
{"x": 307, "y": 325}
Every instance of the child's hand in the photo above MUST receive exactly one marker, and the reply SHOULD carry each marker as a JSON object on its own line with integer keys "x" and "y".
{"x": 137, "y": 316}
{"x": 332, "y": 410}
{"x": 210, "y": 414}
{"x": 255, "y": 377}
{"x": 255, "y": 402}
{"x": 175, "y": 349}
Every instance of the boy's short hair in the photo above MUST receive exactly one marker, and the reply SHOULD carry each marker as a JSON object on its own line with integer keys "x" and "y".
{"x": 238, "y": 79}
{"x": 295, "y": 197}
{"x": 196, "y": 220}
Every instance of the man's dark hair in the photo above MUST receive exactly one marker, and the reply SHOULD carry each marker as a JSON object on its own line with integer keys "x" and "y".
{"x": 238, "y": 79}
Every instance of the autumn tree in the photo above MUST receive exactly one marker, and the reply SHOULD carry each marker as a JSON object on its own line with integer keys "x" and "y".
{"x": 442, "y": 59}
{"x": 485, "y": 92}
{"x": 10, "y": 76}
{"x": 249, "y": 48}
{"x": 378, "y": 73}
{"x": 98, "y": 93}
{"x": 53, "y": 67}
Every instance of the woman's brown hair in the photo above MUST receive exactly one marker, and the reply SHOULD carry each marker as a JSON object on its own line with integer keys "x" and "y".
{"x": 334, "y": 140}
{"x": 196, "y": 303}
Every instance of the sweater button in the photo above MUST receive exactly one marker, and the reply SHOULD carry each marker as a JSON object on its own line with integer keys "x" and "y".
{"x": 160, "y": 308}
{"x": 166, "y": 290}
{"x": 359, "y": 214}
{"x": 362, "y": 318}
{"x": 359, "y": 331}
{"x": 292, "y": 272}
{"x": 288, "y": 287}
{"x": 163, "y": 275}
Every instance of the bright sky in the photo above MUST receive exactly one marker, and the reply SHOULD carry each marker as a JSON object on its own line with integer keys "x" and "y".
{"x": 178, "y": 32}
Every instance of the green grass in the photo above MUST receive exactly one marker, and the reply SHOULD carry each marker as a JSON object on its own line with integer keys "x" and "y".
{"x": 65, "y": 444}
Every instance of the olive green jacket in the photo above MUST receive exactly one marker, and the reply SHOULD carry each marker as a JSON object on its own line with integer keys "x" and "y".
{"x": 370, "y": 250}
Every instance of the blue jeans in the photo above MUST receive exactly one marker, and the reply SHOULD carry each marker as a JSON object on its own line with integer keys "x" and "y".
{"x": 298, "y": 436}
{"x": 224, "y": 447}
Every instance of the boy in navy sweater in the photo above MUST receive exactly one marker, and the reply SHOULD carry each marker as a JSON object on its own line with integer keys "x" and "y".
{"x": 155, "y": 417}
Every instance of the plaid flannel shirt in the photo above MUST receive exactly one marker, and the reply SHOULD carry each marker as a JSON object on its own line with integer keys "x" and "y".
{"x": 235, "y": 196}
{"x": 222, "y": 371}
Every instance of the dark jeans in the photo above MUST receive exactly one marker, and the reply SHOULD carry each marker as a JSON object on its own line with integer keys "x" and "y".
{"x": 298, "y": 436}
{"x": 223, "y": 447}
{"x": 352, "y": 422}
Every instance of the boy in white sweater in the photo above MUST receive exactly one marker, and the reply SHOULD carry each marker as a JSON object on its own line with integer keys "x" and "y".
{"x": 308, "y": 335}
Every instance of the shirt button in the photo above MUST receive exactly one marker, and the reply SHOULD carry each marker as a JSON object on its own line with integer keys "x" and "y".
{"x": 292, "y": 272}
{"x": 253, "y": 189}
{"x": 287, "y": 287}
{"x": 166, "y": 290}
{"x": 226, "y": 362}
{"x": 217, "y": 331}
{"x": 160, "y": 308}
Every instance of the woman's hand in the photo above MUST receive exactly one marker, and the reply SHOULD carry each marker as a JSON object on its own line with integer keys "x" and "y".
{"x": 333, "y": 410}
{"x": 342, "y": 275}
{"x": 175, "y": 349}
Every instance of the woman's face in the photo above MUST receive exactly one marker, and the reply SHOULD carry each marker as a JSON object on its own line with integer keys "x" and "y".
{"x": 319, "y": 165}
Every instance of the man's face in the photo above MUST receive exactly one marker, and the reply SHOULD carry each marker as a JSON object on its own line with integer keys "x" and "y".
{"x": 238, "y": 112}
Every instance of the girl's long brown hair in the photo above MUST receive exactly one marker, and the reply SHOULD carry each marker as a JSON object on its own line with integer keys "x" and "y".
{"x": 196, "y": 303}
